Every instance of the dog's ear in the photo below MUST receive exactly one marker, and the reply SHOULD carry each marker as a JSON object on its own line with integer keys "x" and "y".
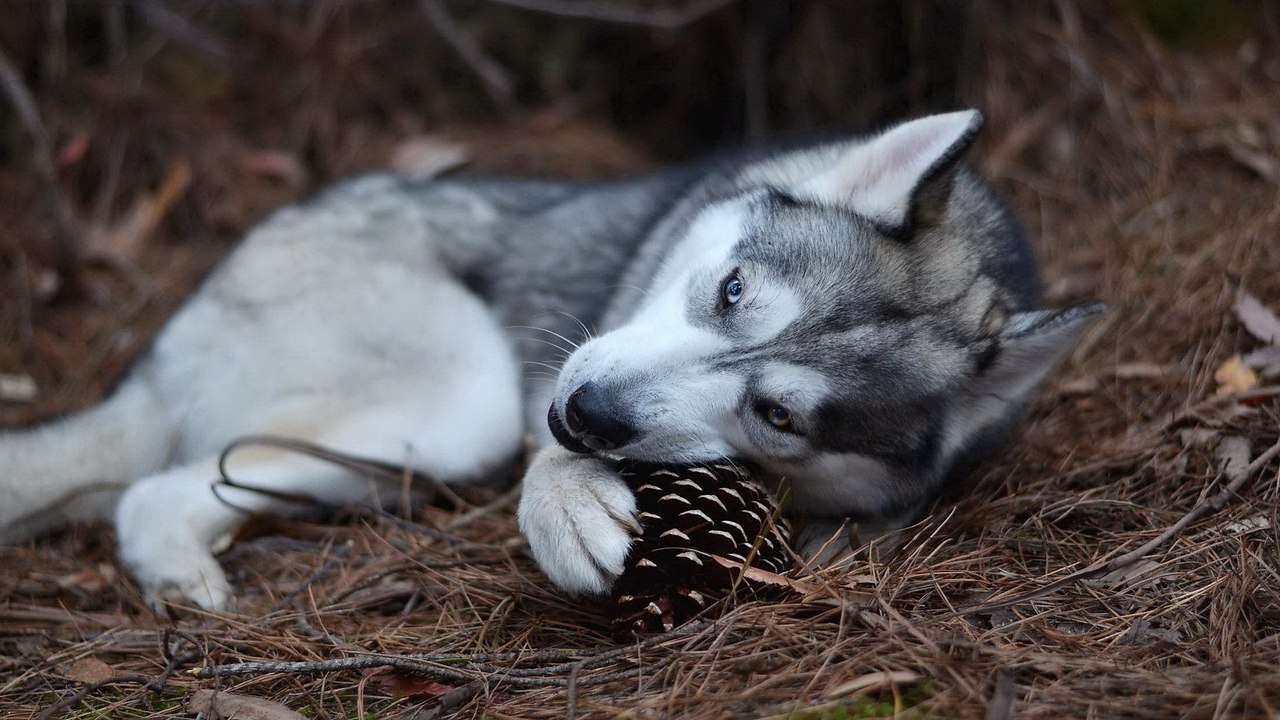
{"x": 1029, "y": 345}
{"x": 902, "y": 178}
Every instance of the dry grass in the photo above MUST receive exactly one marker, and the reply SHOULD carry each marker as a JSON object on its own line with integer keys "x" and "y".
{"x": 1123, "y": 158}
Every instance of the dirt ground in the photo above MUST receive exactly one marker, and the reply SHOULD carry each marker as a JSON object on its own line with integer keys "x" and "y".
{"x": 1120, "y": 560}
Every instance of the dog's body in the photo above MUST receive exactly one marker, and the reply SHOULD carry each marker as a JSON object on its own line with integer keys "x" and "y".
{"x": 858, "y": 317}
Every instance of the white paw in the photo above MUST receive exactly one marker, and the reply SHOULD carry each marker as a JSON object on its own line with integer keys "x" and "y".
{"x": 579, "y": 519}
{"x": 162, "y": 540}
{"x": 191, "y": 578}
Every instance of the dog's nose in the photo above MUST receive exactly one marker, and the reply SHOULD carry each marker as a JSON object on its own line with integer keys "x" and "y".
{"x": 594, "y": 414}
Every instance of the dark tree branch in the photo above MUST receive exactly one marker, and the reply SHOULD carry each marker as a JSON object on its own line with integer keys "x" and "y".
{"x": 179, "y": 29}
{"x": 497, "y": 83}
{"x": 622, "y": 13}
{"x": 66, "y": 225}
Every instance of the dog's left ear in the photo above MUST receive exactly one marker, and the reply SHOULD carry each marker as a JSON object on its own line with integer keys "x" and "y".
{"x": 902, "y": 178}
{"x": 1029, "y": 345}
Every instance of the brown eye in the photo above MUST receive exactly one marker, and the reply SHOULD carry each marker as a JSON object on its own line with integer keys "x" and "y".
{"x": 779, "y": 417}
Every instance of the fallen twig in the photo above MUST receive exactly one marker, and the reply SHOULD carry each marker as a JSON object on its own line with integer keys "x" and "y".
{"x": 497, "y": 83}
{"x": 621, "y": 13}
{"x": 179, "y": 29}
{"x": 1208, "y": 505}
{"x": 70, "y": 702}
{"x": 563, "y": 668}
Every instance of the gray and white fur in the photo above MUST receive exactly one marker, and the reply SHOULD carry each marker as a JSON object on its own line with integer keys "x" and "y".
{"x": 858, "y": 317}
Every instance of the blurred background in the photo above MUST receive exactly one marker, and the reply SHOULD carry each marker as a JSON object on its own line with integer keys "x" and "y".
{"x": 140, "y": 138}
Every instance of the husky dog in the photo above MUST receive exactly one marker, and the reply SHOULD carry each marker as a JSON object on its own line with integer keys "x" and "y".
{"x": 859, "y": 317}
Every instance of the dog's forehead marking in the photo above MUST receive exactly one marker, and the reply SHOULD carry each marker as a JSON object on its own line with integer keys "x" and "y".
{"x": 773, "y": 307}
{"x": 711, "y": 238}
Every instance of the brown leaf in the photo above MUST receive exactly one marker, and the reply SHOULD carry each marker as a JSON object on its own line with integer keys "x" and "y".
{"x": 1143, "y": 632}
{"x": 417, "y": 687}
{"x": 1257, "y": 318}
{"x": 428, "y": 156}
{"x": 1232, "y": 456}
{"x": 88, "y": 670}
{"x": 238, "y": 707}
{"x": 17, "y": 388}
{"x": 90, "y": 580}
{"x": 1234, "y": 376}
{"x": 74, "y": 149}
{"x": 277, "y": 165}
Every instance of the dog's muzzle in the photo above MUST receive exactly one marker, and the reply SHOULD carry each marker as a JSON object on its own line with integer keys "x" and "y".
{"x": 592, "y": 421}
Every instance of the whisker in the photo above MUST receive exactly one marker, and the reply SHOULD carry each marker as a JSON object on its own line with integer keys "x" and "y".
{"x": 553, "y": 368}
{"x": 637, "y": 288}
{"x": 575, "y": 345}
{"x": 567, "y": 352}
{"x": 586, "y": 331}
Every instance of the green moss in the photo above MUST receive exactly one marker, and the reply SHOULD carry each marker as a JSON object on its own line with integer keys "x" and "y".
{"x": 108, "y": 704}
{"x": 1191, "y": 23}
{"x": 862, "y": 707}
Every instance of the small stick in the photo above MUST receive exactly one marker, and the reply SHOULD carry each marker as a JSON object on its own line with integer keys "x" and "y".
{"x": 571, "y": 693}
{"x": 477, "y": 669}
{"x": 179, "y": 29}
{"x": 1003, "y": 698}
{"x": 467, "y": 675}
{"x": 1205, "y": 507}
{"x": 1210, "y": 505}
{"x": 477, "y": 513}
{"x": 70, "y": 702}
{"x": 621, "y": 13}
{"x": 497, "y": 83}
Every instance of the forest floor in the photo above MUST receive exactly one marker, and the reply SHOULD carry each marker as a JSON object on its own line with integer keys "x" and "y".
{"x": 1148, "y": 178}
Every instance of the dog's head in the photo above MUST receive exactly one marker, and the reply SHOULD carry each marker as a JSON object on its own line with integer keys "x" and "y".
{"x": 852, "y": 318}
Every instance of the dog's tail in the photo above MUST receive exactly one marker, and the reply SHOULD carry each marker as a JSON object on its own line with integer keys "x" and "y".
{"x": 75, "y": 467}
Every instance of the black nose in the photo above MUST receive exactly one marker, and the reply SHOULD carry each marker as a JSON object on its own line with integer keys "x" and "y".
{"x": 594, "y": 414}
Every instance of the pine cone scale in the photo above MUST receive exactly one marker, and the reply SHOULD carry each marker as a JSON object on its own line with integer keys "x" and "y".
{"x": 690, "y": 516}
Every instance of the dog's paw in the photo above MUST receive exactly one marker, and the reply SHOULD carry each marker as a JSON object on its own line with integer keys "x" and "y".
{"x": 162, "y": 540}
{"x": 172, "y": 576}
{"x": 199, "y": 583}
{"x": 579, "y": 519}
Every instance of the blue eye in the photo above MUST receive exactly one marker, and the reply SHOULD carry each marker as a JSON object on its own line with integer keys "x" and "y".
{"x": 731, "y": 290}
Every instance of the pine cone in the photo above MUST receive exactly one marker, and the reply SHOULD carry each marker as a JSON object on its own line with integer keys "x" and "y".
{"x": 689, "y": 515}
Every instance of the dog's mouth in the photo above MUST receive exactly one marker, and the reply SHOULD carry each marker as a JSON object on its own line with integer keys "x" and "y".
{"x": 562, "y": 435}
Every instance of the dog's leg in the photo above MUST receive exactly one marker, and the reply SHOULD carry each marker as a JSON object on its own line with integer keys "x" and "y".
{"x": 75, "y": 467}
{"x": 454, "y": 416}
{"x": 172, "y": 523}
{"x": 579, "y": 518}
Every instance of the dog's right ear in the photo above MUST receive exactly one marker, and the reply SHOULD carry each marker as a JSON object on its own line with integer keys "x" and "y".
{"x": 1030, "y": 344}
{"x": 902, "y": 178}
